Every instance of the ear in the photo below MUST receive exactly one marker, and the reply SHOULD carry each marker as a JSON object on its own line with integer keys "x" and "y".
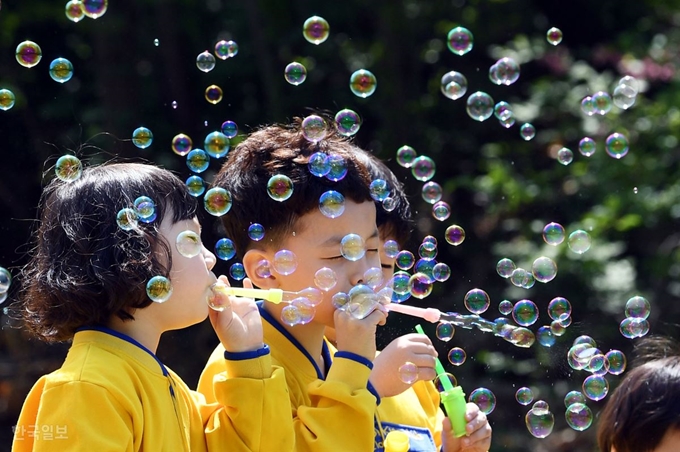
{"x": 251, "y": 262}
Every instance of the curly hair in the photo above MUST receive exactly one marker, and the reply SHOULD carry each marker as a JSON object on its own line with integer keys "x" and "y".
{"x": 83, "y": 267}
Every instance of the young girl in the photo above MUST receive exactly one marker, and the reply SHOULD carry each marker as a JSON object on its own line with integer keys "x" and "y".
{"x": 87, "y": 282}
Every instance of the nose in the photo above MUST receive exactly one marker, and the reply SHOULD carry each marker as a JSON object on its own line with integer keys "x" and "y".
{"x": 210, "y": 259}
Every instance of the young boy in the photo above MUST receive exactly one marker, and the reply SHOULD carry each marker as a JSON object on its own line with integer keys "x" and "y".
{"x": 90, "y": 281}
{"x": 333, "y": 406}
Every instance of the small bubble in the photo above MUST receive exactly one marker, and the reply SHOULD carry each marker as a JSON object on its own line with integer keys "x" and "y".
{"x": 181, "y": 144}
{"x": 338, "y": 168}
{"x": 225, "y": 249}
{"x": 174, "y": 105}
{"x": 332, "y": 204}
{"x": 314, "y": 128}
{"x": 480, "y": 106}
{"x": 237, "y": 271}
{"x": 544, "y": 269}
{"x": 441, "y": 272}
{"x": 379, "y": 189}
{"x": 347, "y": 122}
{"x": 527, "y": 131}
{"x": 362, "y": 83}
{"x": 225, "y": 49}
{"x": 441, "y": 210}
{"x": 28, "y": 54}
{"x": 325, "y": 279}
{"x": 198, "y": 160}
{"x": 142, "y": 137}
{"x": 579, "y": 241}
{"x": 295, "y": 73}
{"x": 420, "y": 285}
{"x": 61, "y": 70}
{"x": 553, "y": 234}
{"x": 216, "y": 144}
{"x": 565, "y": 156}
{"x": 423, "y": 168}
{"x": 579, "y": 416}
{"x": 126, "y": 219}
{"x": 539, "y": 422}
{"x": 316, "y": 30}
{"x": 505, "y": 267}
{"x": 145, "y": 209}
{"x": 505, "y": 307}
{"x": 195, "y": 185}
{"x": 432, "y": 192}
{"x": 545, "y": 337}
{"x": 290, "y": 315}
{"x": 525, "y": 312}
{"x": 188, "y": 244}
{"x": 484, "y": 399}
{"x": 621, "y": 97}
{"x": 285, "y": 262}
{"x": 352, "y": 247}
{"x": 559, "y": 308}
{"x": 457, "y": 356}
{"x": 280, "y": 187}
{"x": 524, "y": 396}
{"x": 159, "y": 289}
{"x": 573, "y": 397}
{"x": 445, "y": 331}
{"x": 616, "y": 145}
{"x": 502, "y": 111}
{"x": 438, "y": 381}
{"x": 454, "y": 85}
{"x": 373, "y": 277}
{"x": 595, "y": 387}
{"x": 156, "y": 42}
{"x": 406, "y": 156}
{"x": 477, "y": 301}
{"x": 7, "y": 99}
{"x": 391, "y": 249}
{"x": 319, "y": 164}
{"x": 263, "y": 268}
{"x": 75, "y": 11}
{"x": 587, "y": 146}
{"x": 256, "y": 232}
{"x": 217, "y": 201}
{"x": 213, "y": 94}
{"x": 617, "y": 362}
{"x": 95, "y": 9}
{"x": 229, "y": 129}
{"x": 205, "y": 61}
{"x": 405, "y": 260}
{"x": 5, "y": 280}
{"x": 632, "y": 327}
{"x": 638, "y": 307}
{"x": 588, "y": 106}
{"x": 554, "y": 36}
{"x": 340, "y": 300}
{"x": 460, "y": 40}
{"x": 602, "y": 102}
{"x": 504, "y": 72}
{"x": 68, "y": 168}
{"x": 408, "y": 373}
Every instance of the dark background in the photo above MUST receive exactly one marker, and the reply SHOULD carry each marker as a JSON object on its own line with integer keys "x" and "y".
{"x": 502, "y": 189}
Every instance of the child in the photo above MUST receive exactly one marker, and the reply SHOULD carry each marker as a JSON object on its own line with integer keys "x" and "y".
{"x": 86, "y": 282}
{"x": 643, "y": 413}
{"x": 333, "y": 403}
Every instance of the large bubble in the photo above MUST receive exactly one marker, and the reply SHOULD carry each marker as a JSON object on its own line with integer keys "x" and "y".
{"x": 347, "y": 122}
{"x": 454, "y": 85}
{"x": 477, "y": 301}
{"x": 295, "y": 73}
{"x": 217, "y": 201}
{"x": 159, "y": 289}
{"x": 61, "y": 70}
{"x": 484, "y": 399}
{"x": 460, "y": 40}
{"x": 68, "y": 168}
{"x": 363, "y": 83}
{"x": 285, "y": 262}
{"x": 352, "y": 247}
{"x": 480, "y": 106}
{"x": 142, "y": 137}
{"x": 280, "y": 187}
{"x": 423, "y": 168}
{"x": 28, "y": 54}
{"x": 316, "y": 30}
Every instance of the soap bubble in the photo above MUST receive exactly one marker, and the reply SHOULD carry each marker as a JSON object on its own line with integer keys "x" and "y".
{"x": 338, "y": 168}
{"x": 195, "y": 185}
{"x": 198, "y": 160}
{"x": 373, "y": 277}
{"x": 557, "y": 328}
{"x": 457, "y": 356}
{"x": 477, "y": 301}
{"x": 5, "y": 279}
{"x": 68, "y": 168}
{"x": 507, "y": 122}
{"x": 631, "y": 85}
{"x": 554, "y": 36}
{"x": 524, "y": 396}
{"x": 225, "y": 249}
{"x": 484, "y": 399}
{"x": 432, "y": 192}
{"x": 405, "y": 156}
{"x": 256, "y": 232}
{"x": 616, "y": 145}
{"x": 405, "y": 260}
{"x": 159, "y": 289}
{"x": 75, "y": 11}
{"x": 319, "y": 164}
{"x": 332, "y": 204}
{"x": 621, "y": 99}
{"x": 340, "y": 300}
{"x": 280, "y": 187}
{"x": 290, "y": 315}
{"x": 545, "y": 337}
{"x": 427, "y": 250}
{"x": 587, "y": 146}
{"x": 285, "y": 262}
{"x": 216, "y": 144}
{"x": 585, "y": 339}
{"x": 306, "y": 312}
{"x": 28, "y": 54}
{"x": 438, "y": 381}
{"x": 420, "y": 285}
{"x": 295, "y": 73}
{"x": 441, "y": 210}
{"x": 325, "y": 278}
{"x": 316, "y": 30}
{"x": 573, "y": 397}
{"x": 580, "y": 354}
{"x": 579, "y": 241}
{"x": 181, "y": 144}
{"x": 460, "y": 40}
{"x": 352, "y": 247}
{"x": 217, "y": 201}
{"x": 518, "y": 276}
{"x": 126, "y": 219}
{"x": 94, "y": 9}
{"x": 347, "y": 122}
{"x": 522, "y": 337}
{"x": 425, "y": 267}
{"x": 145, "y": 209}
{"x": 445, "y": 331}
{"x": 226, "y": 49}
{"x": 588, "y": 106}
{"x": 362, "y": 301}
{"x": 423, "y": 168}
{"x": 540, "y": 422}
{"x": 454, "y": 85}
{"x": 525, "y": 312}
{"x": 311, "y": 296}
{"x": 237, "y": 271}
{"x": 527, "y": 131}
{"x": 454, "y": 235}
{"x": 505, "y": 267}
{"x": 632, "y": 327}
{"x": 142, "y": 137}
{"x": 505, "y": 307}
{"x": 205, "y": 61}
{"x": 441, "y": 272}
{"x": 502, "y": 110}
{"x": 399, "y": 283}
{"x": 559, "y": 308}
{"x": 314, "y": 128}
{"x": 553, "y": 234}
{"x": 595, "y": 387}
{"x": 579, "y": 417}
{"x": 363, "y": 83}
{"x": 504, "y": 72}
{"x": 408, "y": 373}
{"x": 61, "y": 70}
{"x": 379, "y": 189}
{"x": 565, "y": 156}
{"x": 229, "y": 129}
{"x": 213, "y": 94}
{"x": 544, "y": 269}
{"x": 391, "y": 249}
{"x": 638, "y": 307}
{"x": 480, "y": 106}
{"x": 602, "y": 102}
{"x": 7, "y": 99}
{"x": 617, "y": 361}
{"x": 430, "y": 239}
{"x": 188, "y": 244}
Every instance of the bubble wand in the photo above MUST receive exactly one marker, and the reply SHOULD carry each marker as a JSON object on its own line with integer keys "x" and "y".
{"x": 275, "y": 296}
{"x": 452, "y": 397}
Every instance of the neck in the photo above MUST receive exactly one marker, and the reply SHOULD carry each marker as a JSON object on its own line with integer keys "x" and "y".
{"x": 142, "y": 331}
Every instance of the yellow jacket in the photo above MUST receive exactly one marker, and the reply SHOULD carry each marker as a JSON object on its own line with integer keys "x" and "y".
{"x": 112, "y": 394}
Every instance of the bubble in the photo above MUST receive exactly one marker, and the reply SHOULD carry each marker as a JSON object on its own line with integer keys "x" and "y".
{"x": 528, "y": 281}
{"x": 484, "y": 399}
{"x": 559, "y": 308}
{"x": 573, "y": 397}
{"x": 525, "y": 312}
{"x": 7, "y": 99}
{"x": 602, "y": 102}
{"x": 28, "y": 54}
{"x": 363, "y": 83}
{"x": 237, "y": 271}
{"x": 75, "y": 11}
{"x": 290, "y": 315}
{"x": 425, "y": 267}
{"x": 616, "y": 145}
{"x": 460, "y": 40}
{"x": 524, "y": 396}
{"x": 318, "y": 164}
{"x": 598, "y": 364}
{"x": 95, "y": 9}
{"x": 213, "y": 94}
{"x": 423, "y": 168}
{"x": 156, "y": 42}
{"x": 216, "y": 144}
{"x": 406, "y": 156}
{"x": 588, "y": 106}
{"x": 445, "y": 331}
{"x": 480, "y": 106}
{"x": 142, "y": 137}
{"x": 518, "y": 276}
{"x": 441, "y": 272}
{"x": 306, "y": 312}
{"x": 621, "y": 98}
{"x": 314, "y": 128}
{"x": 256, "y": 232}
{"x": 454, "y": 235}
{"x": 579, "y": 241}
{"x": 295, "y": 73}
{"x": 188, "y": 244}
{"x": 504, "y": 72}
{"x": 553, "y": 234}
{"x": 540, "y": 422}
{"x": 205, "y": 61}
{"x": 126, "y": 219}
{"x": 195, "y": 185}
{"x": 632, "y": 327}
{"x": 181, "y": 144}
{"x": 441, "y": 211}
{"x": 584, "y": 339}
{"x": 617, "y": 362}
{"x": 174, "y": 105}
{"x": 68, "y": 168}
{"x": 430, "y": 239}
{"x": 159, "y": 289}
{"x": 347, "y": 122}
{"x": 457, "y": 356}
{"x": 432, "y": 192}
{"x": 373, "y": 277}
{"x": 332, "y": 204}
{"x": 477, "y": 301}
{"x": 544, "y": 269}
{"x": 565, "y": 156}
{"x": 502, "y": 110}
{"x": 595, "y": 387}
{"x": 225, "y": 49}
{"x": 340, "y": 300}
{"x": 315, "y": 30}
{"x": 391, "y": 249}
{"x": 263, "y": 268}
{"x": 507, "y": 122}
{"x": 225, "y": 249}
{"x": 145, "y": 209}
{"x": 638, "y": 307}
{"x": 217, "y": 201}
{"x": 578, "y": 416}
{"x": 587, "y": 146}
{"x": 545, "y": 336}
{"x": 61, "y": 70}
{"x": 505, "y": 307}
{"x": 379, "y": 189}
{"x": 5, "y": 280}
{"x": 405, "y": 260}
{"x": 527, "y": 131}
{"x": 399, "y": 283}
{"x": 325, "y": 278}
{"x": 554, "y": 36}
{"x": 579, "y": 355}
{"x": 454, "y": 85}
{"x": 362, "y": 301}
{"x": 338, "y": 168}
{"x": 427, "y": 250}
{"x": 229, "y": 130}
{"x": 285, "y": 262}
{"x": 420, "y": 285}
{"x": 408, "y": 373}
{"x": 445, "y": 376}
{"x": 280, "y": 187}
{"x": 505, "y": 267}
{"x": 352, "y": 247}
{"x": 557, "y": 328}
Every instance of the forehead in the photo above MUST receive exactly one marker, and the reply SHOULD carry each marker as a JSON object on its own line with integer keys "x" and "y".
{"x": 318, "y": 230}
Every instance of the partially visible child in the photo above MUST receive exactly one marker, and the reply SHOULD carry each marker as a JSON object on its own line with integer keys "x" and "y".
{"x": 643, "y": 413}
{"x": 86, "y": 282}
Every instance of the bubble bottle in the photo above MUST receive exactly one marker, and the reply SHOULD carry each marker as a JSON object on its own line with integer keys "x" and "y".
{"x": 397, "y": 441}
{"x": 453, "y": 398}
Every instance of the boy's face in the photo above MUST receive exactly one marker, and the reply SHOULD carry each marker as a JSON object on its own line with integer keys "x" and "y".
{"x": 316, "y": 244}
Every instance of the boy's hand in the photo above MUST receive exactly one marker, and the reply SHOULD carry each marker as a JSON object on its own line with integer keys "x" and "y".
{"x": 358, "y": 336}
{"x": 414, "y": 348}
{"x": 239, "y": 325}
{"x": 477, "y": 431}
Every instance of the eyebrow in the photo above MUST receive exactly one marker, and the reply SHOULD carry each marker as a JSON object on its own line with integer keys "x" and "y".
{"x": 336, "y": 239}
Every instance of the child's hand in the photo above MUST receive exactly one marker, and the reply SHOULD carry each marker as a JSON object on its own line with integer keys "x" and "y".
{"x": 239, "y": 325}
{"x": 414, "y": 348}
{"x": 477, "y": 431}
{"x": 358, "y": 336}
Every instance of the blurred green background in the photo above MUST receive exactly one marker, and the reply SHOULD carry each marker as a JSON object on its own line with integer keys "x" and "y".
{"x": 502, "y": 189}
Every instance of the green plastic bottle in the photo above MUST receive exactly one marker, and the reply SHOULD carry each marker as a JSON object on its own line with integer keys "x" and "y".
{"x": 455, "y": 405}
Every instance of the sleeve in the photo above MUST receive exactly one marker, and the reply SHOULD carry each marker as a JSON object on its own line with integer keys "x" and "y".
{"x": 78, "y": 415}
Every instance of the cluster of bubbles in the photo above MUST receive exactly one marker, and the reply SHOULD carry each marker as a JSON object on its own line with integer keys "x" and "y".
{"x": 5, "y": 283}
{"x": 76, "y": 10}
{"x": 28, "y": 54}
{"x": 635, "y": 324}
{"x": 504, "y": 71}
{"x": 205, "y": 61}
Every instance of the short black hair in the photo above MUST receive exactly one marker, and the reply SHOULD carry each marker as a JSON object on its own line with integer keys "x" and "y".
{"x": 83, "y": 267}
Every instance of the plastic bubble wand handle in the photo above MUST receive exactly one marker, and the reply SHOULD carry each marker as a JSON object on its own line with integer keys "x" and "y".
{"x": 430, "y": 314}
{"x": 452, "y": 397}
{"x": 272, "y": 295}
